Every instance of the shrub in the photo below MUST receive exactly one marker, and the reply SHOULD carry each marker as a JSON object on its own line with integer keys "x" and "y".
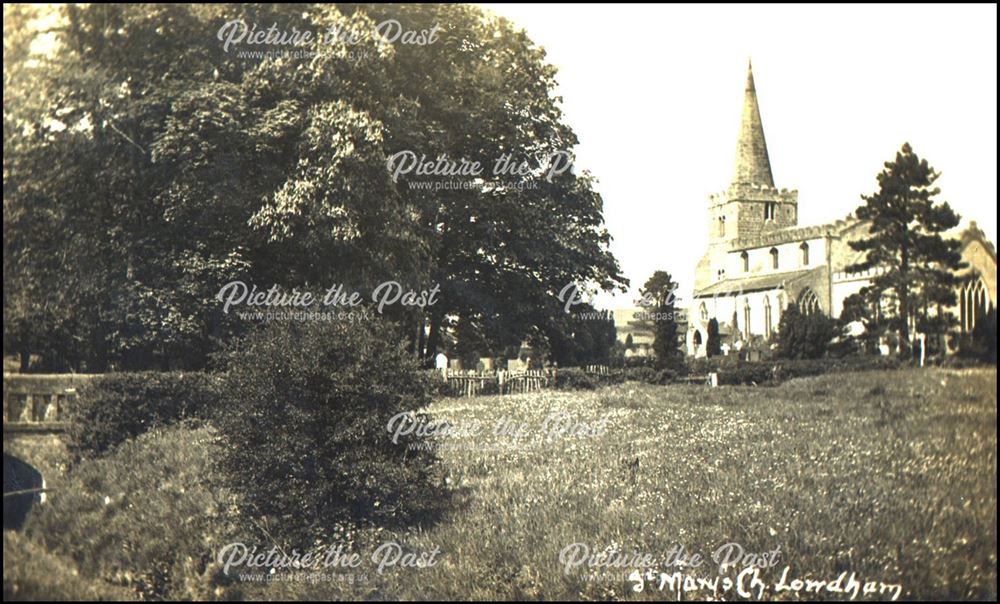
{"x": 115, "y": 407}
{"x": 437, "y": 386}
{"x": 981, "y": 344}
{"x": 640, "y": 374}
{"x": 805, "y": 336}
{"x": 148, "y": 516}
{"x": 30, "y": 573}
{"x": 747, "y": 374}
{"x": 574, "y": 378}
{"x": 665, "y": 376}
{"x": 640, "y": 361}
{"x": 713, "y": 344}
{"x": 649, "y": 375}
{"x": 304, "y": 420}
{"x": 703, "y": 366}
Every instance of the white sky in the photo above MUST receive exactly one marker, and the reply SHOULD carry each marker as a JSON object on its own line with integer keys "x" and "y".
{"x": 655, "y": 92}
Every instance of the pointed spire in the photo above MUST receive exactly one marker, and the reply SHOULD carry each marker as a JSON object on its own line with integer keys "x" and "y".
{"x": 752, "y": 165}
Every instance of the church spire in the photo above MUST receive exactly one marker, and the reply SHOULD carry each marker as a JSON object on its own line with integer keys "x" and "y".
{"x": 752, "y": 165}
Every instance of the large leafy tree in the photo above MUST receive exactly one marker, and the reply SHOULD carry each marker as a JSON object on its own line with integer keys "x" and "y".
{"x": 170, "y": 165}
{"x": 918, "y": 265}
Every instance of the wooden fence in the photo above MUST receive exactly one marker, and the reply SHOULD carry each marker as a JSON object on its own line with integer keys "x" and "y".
{"x": 39, "y": 402}
{"x": 469, "y": 383}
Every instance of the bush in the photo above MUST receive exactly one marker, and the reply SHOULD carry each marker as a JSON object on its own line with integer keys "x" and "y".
{"x": 306, "y": 410}
{"x": 574, "y": 378}
{"x": 713, "y": 344}
{"x": 981, "y": 344}
{"x": 640, "y": 361}
{"x": 437, "y": 386}
{"x": 805, "y": 336}
{"x": 649, "y": 375}
{"x": 148, "y": 516}
{"x": 703, "y": 366}
{"x": 747, "y": 374}
{"x": 30, "y": 573}
{"x": 734, "y": 372}
{"x": 640, "y": 374}
{"x": 116, "y": 407}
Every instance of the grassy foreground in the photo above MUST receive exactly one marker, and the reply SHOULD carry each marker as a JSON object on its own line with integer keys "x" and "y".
{"x": 889, "y": 475}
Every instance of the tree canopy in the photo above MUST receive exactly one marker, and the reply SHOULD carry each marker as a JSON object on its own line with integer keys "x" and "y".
{"x": 147, "y": 163}
{"x": 917, "y": 265}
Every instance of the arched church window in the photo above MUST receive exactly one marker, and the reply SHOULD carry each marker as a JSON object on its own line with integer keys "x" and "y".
{"x": 745, "y": 261}
{"x": 703, "y": 311}
{"x": 722, "y": 226}
{"x": 808, "y": 302}
{"x": 973, "y": 303}
{"x": 774, "y": 257}
{"x": 804, "y": 254}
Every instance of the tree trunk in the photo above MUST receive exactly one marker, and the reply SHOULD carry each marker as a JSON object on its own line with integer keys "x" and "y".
{"x": 904, "y": 302}
{"x": 434, "y": 337}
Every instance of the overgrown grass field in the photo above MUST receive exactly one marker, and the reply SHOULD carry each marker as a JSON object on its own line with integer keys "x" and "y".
{"x": 889, "y": 475}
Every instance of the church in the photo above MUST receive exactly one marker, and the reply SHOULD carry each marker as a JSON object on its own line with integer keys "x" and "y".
{"x": 759, "y": 260}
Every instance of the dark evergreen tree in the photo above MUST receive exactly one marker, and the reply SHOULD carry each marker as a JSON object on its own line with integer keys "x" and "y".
{"x": 713, "y": 343}
{"x": 661, "y": 289}
{"x": 805, "y": 336}
{"x": 917, "y": 264}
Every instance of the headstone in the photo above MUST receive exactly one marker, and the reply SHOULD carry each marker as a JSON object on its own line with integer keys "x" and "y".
{"x": 441, "y": 363}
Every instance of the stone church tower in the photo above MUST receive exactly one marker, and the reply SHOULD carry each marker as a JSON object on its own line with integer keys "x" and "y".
{"x": 759, "y": 259}
{"x": 752, "y": 205}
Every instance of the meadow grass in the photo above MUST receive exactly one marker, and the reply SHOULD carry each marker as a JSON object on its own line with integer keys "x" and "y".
{"x": 890, "y": 475}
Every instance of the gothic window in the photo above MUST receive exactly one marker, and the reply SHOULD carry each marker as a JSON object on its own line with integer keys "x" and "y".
{"x": 808, "y": 302}
{"x": 774, "y": 257}
{"x": 973, "y": 304}
{"x": 804, "y": 253}
{"x": 745, "y": 261}
{"x": 703, "y": 311}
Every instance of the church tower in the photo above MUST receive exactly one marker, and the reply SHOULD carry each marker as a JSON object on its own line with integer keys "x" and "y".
{"x": 751, "y": 206}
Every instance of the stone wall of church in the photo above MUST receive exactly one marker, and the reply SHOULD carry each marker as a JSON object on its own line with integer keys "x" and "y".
{"x": 845, "y": 285}
{"x": 754, "y": 313}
